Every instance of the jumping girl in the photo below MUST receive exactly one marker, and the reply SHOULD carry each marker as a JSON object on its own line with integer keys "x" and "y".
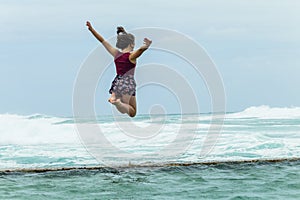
{"x": 123, "y": 87}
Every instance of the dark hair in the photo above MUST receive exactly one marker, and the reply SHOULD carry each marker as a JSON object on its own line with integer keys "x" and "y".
{"x": 124, "y": 39}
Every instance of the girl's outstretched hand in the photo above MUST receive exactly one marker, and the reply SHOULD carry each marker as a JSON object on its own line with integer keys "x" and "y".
{"x": 89, "y": 25}
{"x": 147, "y": 43}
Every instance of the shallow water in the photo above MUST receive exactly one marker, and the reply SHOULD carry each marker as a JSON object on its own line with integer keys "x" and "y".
{"x": 237, "y": 181}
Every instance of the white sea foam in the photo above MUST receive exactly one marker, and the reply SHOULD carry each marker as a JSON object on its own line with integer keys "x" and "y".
{"x": 37, "y": 138}
{"x": 16, "y": 129}
{"x": 266, "y": 112}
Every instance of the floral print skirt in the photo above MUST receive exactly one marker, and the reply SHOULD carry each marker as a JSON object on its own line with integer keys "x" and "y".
{"x": 122, "y": 85}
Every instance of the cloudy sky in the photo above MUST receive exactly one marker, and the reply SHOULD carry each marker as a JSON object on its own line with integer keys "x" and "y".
{"x": 255, "y": 45}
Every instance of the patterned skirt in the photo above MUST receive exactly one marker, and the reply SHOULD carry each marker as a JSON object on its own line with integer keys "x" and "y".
{"x": 122, "y": 85}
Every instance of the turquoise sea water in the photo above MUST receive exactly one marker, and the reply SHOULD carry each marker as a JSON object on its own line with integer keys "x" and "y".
{"x": 38, "y": 142}
{"x": 240, "y": 181}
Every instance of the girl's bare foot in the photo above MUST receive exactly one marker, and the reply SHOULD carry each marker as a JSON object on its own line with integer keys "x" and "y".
{"x": 116, "y": 102}
{"x": 111, "y": 100}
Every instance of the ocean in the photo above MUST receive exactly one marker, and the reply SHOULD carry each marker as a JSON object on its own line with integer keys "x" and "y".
{"x": 256, "y": 155}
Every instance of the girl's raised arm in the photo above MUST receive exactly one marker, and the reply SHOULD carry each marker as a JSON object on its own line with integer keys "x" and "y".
{"x": 137, "y": 53}
{"x": 113, "y": 51}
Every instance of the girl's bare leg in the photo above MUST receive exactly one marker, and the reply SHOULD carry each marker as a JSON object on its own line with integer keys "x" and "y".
{"x": 127, "y": 104}
{"x": 113, "y": 100}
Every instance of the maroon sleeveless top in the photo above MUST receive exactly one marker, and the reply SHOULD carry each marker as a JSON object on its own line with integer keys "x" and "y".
{"x": 123, "y": 64}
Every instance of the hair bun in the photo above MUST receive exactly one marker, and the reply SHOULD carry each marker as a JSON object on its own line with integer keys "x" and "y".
{"x": 120, "y": 29}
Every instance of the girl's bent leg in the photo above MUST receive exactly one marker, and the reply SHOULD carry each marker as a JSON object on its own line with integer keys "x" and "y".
{"x": 132, "y": 103}
{"x": 120, "y": 107}
{"x": 127, "y": 104}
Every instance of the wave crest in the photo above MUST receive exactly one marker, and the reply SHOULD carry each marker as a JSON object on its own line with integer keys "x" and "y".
{"x": 267, "y": 112}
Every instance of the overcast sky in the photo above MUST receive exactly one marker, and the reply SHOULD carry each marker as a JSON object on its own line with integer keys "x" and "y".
{"x": 255, "y": 45}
